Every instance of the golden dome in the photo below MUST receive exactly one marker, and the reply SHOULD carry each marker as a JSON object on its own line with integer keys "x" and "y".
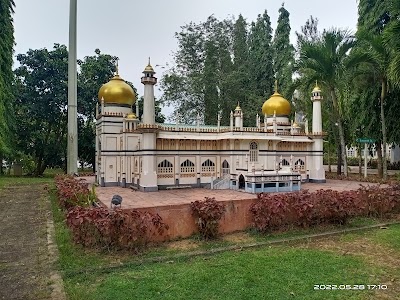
{"x": 117, "y": 91}
{"x": 276, "y": 104}
{"x": 131, "y": 115}
{"x": 149, "y": 68}
{"x": 238, "y": 107}
{"x": 316, "y": 88}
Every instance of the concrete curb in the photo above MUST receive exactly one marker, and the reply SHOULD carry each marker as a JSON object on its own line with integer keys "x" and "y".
{"x": 57, "y": 286}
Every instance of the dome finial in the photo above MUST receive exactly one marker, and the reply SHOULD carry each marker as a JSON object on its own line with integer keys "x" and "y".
{"x": 116, "y": 66}
{"x": 276, "y": 86}
{"x": 149, "y": 61}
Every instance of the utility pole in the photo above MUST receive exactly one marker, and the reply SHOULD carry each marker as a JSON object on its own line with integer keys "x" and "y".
{"x": 72, "y": 143}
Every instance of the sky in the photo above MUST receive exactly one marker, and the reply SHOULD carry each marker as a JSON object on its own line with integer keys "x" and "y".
{"x": 136, "y": 30}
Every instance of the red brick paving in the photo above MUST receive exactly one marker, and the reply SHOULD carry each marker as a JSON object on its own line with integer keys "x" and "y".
{"x": 137, "y": 199}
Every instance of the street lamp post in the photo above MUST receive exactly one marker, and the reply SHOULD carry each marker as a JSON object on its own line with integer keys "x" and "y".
{"x": 72, "y": 143}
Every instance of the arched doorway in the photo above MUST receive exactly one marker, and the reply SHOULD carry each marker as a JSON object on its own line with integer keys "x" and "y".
{"x": 241, "y": 182}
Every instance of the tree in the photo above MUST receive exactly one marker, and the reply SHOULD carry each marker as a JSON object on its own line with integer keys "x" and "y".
{"x": 6, "y": 77}
{"x": 41, "y": 105}
{"x": 325, "y": 60}
{"x": 283, "y": 53}
{"x": 379, "y": 58}
{"x": 260, "y": 62}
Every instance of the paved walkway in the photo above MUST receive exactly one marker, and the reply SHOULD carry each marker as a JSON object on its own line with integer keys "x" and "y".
{"x": 137, "y": 199}
{"x": 26, "y": 268}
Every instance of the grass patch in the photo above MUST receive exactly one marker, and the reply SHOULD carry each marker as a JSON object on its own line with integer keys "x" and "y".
{"x": 6, "y": 181}
{"x": 268, "y": 273}
{"x": 389, "y": 237}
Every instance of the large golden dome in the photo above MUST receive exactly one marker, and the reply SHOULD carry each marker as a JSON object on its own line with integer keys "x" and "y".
{"x": 276, "y": 104}
{"x": 117, "y": 91}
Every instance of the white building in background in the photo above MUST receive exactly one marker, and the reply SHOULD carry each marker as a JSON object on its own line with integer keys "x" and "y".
{"x": 392, "y": 152}
{"x": 276, "y": 155}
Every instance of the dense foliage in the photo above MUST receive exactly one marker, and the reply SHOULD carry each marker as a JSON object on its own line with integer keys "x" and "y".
{"x": 307, "y": 209}
{"x": 100, "y": 227}
{"x": 6, "y": 77}
{"x": 221, "y": 63}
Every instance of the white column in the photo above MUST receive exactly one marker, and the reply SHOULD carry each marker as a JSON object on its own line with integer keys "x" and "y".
{"x": 72, "y": 143}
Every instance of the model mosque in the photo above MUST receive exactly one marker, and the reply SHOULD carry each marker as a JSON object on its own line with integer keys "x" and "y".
{"x": 275, "y": 155}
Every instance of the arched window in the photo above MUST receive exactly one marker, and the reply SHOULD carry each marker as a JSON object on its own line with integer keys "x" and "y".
{"x": 253, "y": 152}
{"x": 187, "y": 167}
{"x": 299, "y": 165}
{"x": 285, "y": 163}
{"x": 225, "y": 168}
{"x": 208, "y": 166}
{"x": 165, "y": 167}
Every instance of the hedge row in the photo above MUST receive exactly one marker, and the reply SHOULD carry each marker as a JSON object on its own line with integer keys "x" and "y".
{"x": 307, "y": 209}
{"x": 99, "y": 227}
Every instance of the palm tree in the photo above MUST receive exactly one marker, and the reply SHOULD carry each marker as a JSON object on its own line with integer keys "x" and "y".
{"x": 391, "y": 39}
{"x": 380, "y": 58}
{"x": 325, "y": 60}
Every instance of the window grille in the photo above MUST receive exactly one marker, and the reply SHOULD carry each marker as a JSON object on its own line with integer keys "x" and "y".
{"x": 165, "y": 167}
{"x": 187, "y": 167}
{"x": 208, "y": 166}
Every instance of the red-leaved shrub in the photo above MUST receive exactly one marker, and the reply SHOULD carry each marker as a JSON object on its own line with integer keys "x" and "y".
{"x": 100, "y": 227}
{"x": 72, "y": 192}
{"x": 323, "y": 206}
{"x": 207, "y": 213}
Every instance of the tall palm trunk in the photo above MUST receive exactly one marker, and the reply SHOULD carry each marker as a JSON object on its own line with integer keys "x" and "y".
{"x": 341, "y": 131}
{"x": 383, "y": 124}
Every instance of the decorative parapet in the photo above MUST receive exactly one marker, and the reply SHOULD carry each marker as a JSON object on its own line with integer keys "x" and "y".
{"x": 317, "y": 134}
{"x": 111, "y": 114}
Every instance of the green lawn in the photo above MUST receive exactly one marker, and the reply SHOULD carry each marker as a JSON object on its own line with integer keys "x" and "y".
{"x": 287, "y": 271}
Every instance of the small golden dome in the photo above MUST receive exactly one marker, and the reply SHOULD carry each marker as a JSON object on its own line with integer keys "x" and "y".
{"x": 316, "y": 88}
{"x": 117, "y": 91}
{"x": 276, "y": 104}
{"x": 149, "y": 68}
{"x": 131, "y": 115}
{"x": 238, "y": 107}
{"x": 295, "y": 125}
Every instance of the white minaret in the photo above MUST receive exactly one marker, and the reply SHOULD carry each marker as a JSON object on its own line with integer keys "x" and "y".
{"x": 148, "y": 102}
{"x": 317, "y": 172}
{"x": 148, "y": 178}
{"x": 238, "y": 117}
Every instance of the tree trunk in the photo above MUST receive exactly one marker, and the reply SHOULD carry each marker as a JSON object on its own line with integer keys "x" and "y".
{"x": 339, "y": 160}
{"x": 341, "y": 131}
{"x": 329, "y": 159}
{"x": 378, "y": 147}
{"x": 383, "y": 122}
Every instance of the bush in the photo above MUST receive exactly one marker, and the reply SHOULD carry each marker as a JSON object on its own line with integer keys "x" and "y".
{"x": 208, "y": 213}
{"x": 306, "y": 209}
{"x": 100, "y": 227}
{"x": 72, "y": 192}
